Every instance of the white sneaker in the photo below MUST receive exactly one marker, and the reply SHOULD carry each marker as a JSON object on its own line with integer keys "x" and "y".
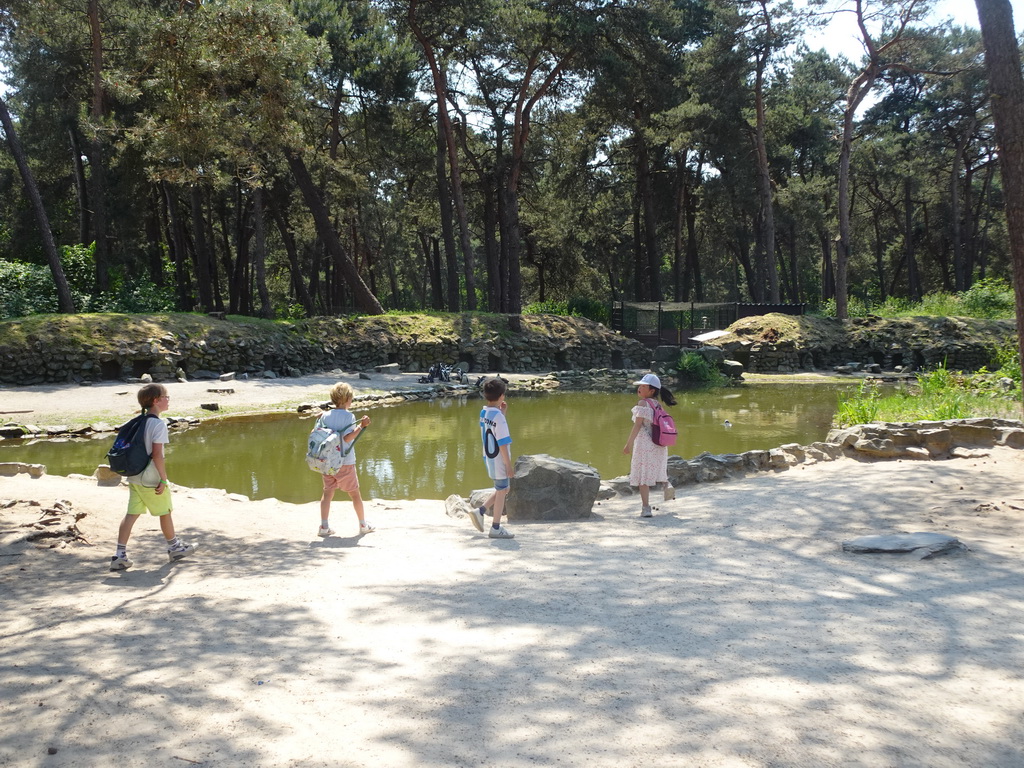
{"x": 324, "y": 532}
{"x": 501, "y": 532}
{"x": 476, "y": 517}
{"x": 646, "y": 512}
{"x": 365, "y": 527}
{"x": 180, "y": 551}
{"x": 120, "y": 563}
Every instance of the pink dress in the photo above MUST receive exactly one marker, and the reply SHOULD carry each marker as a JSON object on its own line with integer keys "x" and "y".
{"x": 649, "y": 462}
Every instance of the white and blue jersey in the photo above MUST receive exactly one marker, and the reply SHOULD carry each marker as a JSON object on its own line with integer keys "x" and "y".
{"x": 494, "y": 434}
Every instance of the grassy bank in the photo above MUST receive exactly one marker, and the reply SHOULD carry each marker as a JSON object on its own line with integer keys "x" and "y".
{"x": 937, "y": 395}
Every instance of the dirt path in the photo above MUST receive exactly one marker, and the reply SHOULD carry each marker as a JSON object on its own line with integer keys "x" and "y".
{"x": 728, "y": 630}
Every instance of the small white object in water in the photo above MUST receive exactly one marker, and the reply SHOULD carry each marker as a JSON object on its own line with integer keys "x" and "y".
{"x": 726, "y": 423}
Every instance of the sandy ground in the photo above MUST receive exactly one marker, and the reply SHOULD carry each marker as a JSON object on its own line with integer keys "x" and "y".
{"x": 115, "y": 402}
{"x": 728, "y": 630}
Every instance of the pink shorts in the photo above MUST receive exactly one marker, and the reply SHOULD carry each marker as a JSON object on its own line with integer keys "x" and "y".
{"x": 344, "y": 480}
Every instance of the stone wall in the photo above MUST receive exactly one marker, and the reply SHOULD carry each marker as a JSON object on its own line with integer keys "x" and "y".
{"x": 965, "y": 344}
{"x": 353, "y": 344}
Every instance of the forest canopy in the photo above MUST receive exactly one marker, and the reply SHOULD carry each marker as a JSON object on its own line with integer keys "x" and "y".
{"x": 316, "y": 157}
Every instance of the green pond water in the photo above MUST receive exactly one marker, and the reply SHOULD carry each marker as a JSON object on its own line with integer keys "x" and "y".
{"x": 429, "y": 450}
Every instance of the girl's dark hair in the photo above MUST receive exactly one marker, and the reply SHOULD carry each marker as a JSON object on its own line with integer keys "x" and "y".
{"x": 666, "y": 396}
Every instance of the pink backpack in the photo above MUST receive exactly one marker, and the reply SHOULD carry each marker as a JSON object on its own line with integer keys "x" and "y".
{"x": 663, "y": 427}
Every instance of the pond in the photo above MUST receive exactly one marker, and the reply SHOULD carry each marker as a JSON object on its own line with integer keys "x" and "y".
{"x": 429, "y": 450}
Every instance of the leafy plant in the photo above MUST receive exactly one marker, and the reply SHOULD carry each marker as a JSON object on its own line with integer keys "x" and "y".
{"x": 859, "y": 408}
{"x": 547, "y": 308}
{"x": 696, "y": 368}
{"x": 991, "y": 298}
{"x": 592, "y": 309}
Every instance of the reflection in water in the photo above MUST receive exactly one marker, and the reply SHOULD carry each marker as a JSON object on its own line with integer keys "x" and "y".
{"x": 432, "y": 449}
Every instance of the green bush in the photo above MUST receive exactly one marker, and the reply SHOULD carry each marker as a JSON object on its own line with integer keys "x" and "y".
{"x": 28, "y": 289}
{"x": 990, "y": 298}
{"x": 592, "y": 309}
{"x": 696, "y": 369}
{"x": 547, "y": 308}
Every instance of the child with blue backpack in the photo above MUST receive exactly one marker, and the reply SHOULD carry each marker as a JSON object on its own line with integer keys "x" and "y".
{"x": 343, "y": 421}
{"x": 649, "y": 462}
{"x": 148, "y": 491}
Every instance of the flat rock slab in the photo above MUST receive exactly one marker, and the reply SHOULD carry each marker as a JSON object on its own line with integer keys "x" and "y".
{"x": 921, "y": 544}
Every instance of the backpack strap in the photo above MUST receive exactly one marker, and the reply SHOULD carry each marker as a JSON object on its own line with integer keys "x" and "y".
{"x": 655, "y": 405}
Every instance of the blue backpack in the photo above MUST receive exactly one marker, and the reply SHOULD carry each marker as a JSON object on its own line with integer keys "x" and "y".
{"x": 128, "y": 456}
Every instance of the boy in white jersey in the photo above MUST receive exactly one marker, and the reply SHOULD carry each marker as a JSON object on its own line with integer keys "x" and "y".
{"x": 497, "y": 456}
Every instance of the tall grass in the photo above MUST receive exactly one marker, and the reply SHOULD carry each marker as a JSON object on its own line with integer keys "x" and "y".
{"x": 938, "y": 395}
{"x": 990, "y": 298}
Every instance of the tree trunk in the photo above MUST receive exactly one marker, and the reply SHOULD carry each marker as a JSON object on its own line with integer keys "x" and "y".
{"x": 693, "y": 272}
{"x": 876, "y": 219}
{"x": 491, "y": 249}
{"x": 64, "y": 301}
{"x": 81, "y": 187}
{"x": 961, "y": 276}
{"x": 645, "y": 192}
{"x": 764, "y": 185}
{"x": 828, "y": 280}
{"x": 204, "y": 275}
{"x": 445, "y": 130}
{"x": 288, "y": 239}
{"x": 1002, "y": 61}
{"x": 364, "y": 298}
{"x": 913, "y": 275}
{"x": 97, "y": 168}
{"x": 179, "y": 250}
{"x": 260, "y": 255}
{"x": 444, "y": 202}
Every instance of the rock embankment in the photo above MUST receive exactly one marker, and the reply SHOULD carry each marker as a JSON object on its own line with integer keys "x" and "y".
{"x": 90, "y": 348}
{"x": 958, "y": 438}
{"x": 776, "y": 343}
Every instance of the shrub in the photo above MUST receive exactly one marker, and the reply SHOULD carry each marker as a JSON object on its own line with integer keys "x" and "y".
{"x": 696, "y": 368}
{"x": 991, "y": 298}
{"x": 547, "y": 308}
{"x": 592, "y": 309}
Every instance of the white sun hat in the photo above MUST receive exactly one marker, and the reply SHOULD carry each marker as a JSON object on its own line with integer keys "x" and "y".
{"x": 650, "y": 380}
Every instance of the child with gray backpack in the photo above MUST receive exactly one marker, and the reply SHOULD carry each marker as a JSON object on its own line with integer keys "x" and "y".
{"x": 343, "y": 422}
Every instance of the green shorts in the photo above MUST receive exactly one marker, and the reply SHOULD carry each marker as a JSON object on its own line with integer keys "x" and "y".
{"x": 142, "y": 499}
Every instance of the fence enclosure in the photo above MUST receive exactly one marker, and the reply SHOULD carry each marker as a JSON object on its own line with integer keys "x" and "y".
{"x": 657, "y": 323}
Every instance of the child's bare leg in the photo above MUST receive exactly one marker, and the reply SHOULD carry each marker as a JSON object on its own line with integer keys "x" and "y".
{"x": 645, "y": 495}
{"x": 325, "y": 507}
{"x": 167, "y": 526}
{"x": 357, "y": 505}
{"x": 124, "y": 531}
{"x": 499, "y": 504}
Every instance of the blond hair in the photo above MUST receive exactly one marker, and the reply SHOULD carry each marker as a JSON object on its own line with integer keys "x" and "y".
{"x": 341, "y": 393}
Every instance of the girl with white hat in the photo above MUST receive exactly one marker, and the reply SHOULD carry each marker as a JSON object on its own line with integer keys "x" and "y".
{"x": 649, "y": 463}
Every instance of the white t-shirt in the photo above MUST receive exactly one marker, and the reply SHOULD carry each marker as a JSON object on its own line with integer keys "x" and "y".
{"x": 156, "y": 432}
{"x": 340, "y": 419}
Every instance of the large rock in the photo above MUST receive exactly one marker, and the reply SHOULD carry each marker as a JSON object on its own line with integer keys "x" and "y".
{"x": 547, "y": 488}
{"x": 921, "y": 544}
